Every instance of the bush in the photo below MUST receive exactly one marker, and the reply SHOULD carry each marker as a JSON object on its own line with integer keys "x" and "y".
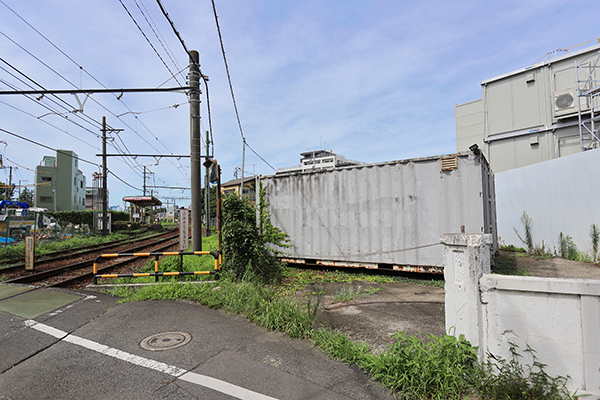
{"x": 513, "y": 248}
{"x": 86, "y": 217}
{"x": 568, "y": 249}
{"x": 248, "y": 244}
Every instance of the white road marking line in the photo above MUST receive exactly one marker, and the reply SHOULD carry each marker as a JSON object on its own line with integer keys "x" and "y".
{"x": 192, "y": 377}
{"x": 124, "y": 356}
{"x": 57, "y": 333}
{"x": 223, "y": 387}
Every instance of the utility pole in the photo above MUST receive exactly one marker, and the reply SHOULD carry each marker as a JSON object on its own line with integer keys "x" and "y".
{"x": 207, "y": 189}
{"x": 9, "y": 189}
{"x": 195, "y": 150}
{"x": 104, "y": 181}
{"x": 243, "y": 165}
{"x": 144, "y": 180}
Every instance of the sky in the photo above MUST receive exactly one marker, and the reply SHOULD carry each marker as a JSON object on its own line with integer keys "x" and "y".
{"x": 373, "y": 80}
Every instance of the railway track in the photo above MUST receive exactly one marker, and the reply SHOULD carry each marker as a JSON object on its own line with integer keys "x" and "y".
{"x": 67, "y": 272}
{"x": 18, "y": 264}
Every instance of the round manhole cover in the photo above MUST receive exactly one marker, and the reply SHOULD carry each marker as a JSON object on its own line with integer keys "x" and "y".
{"x": 165, "y": 341}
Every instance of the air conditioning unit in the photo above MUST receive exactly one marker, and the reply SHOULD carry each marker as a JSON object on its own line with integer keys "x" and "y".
{"x": 565, "y": 102}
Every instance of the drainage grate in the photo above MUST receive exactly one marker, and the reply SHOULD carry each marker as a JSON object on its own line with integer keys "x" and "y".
{"x": 165, "y": 341}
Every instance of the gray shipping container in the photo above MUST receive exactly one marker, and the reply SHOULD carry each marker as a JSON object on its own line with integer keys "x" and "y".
{"x": 387, "y": 215}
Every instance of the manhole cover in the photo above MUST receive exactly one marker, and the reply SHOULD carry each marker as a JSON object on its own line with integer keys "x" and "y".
{"x": 272, "y": 360}
{"x": 165, "y": 341}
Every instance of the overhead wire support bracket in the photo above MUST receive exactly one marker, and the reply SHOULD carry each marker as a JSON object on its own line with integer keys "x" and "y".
{"x": 90, "y": 91}
{"x": 149, "y": 155}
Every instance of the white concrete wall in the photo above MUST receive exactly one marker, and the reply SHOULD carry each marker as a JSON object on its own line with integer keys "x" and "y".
{"x": 558, "y": 318}
{"x": 560, "y": 195}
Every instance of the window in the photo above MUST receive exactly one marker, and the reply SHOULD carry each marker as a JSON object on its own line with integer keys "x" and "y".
{"x": 46, "y": 199}
{"x": 74, "y": 181}
{"x": 46, "y": 179}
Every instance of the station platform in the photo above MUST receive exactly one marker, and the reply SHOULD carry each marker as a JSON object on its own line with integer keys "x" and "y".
{"x": 70, "y": 344}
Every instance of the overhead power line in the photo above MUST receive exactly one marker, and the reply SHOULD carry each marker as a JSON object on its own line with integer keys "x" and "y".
{"x": 48, "y": 147}
{"x": 66, "y": 154}
{"x": 159, "y": 36}
{"x": 48, "y": 123}
{"x": 90, "y": 91}
{"x": 148, "y": 40}
{"x": 204, "y": 77}
{"x": 118, "y": 97}
{"x": 237, "y": 114}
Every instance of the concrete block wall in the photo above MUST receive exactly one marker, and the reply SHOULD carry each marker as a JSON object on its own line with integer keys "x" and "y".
{"x": 558, "y": 318}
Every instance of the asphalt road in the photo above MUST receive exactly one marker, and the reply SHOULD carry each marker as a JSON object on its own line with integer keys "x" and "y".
{"x": 90, "y": 347}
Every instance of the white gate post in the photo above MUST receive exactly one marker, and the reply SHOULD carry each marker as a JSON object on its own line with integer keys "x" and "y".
{"x": 466, "y": 259}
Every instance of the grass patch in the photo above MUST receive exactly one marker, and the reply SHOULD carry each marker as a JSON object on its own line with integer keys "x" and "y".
{"x": 296, "y": 279}
{"x": 44, "y": 246}
{"x": 172, "y": 264}
{"x": 347, "y": 293}
{"x": 442, "y": 367}
{"x": 513, "y": 249}
{"x": 507, "y": 265}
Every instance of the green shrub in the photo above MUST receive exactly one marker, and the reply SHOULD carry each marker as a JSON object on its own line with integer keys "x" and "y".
{"x": 595, "y": 236}
{"x": 439, "y": 369}
{"x": 509, "y": 379}
{"x": 513, "y": 248}
{"x": 249, "y": 242}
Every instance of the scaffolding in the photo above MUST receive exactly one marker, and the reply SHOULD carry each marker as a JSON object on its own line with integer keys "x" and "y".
{"x": 587, "y": 73}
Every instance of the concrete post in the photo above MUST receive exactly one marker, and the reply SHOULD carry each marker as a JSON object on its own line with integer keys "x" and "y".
{"x": 466, "y": 259}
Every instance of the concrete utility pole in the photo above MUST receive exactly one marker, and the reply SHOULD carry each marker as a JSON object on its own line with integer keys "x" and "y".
{"x": 195, "y": 151}
{"x": 9, "y": 189}
{"x": 144, "y": 180}
{"x": 104, "y": 181}
{"x": 207, "y": 189}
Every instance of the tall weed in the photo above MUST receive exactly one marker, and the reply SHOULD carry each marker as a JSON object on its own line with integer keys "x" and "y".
{"x": 527, "y": 238}
{"x": 595, "y": 236}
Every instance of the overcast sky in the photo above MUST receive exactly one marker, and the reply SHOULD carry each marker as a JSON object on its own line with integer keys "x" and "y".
{"x": 371, "y": 80}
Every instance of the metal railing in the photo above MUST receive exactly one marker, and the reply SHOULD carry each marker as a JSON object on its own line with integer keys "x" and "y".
{"x": 156, "y": 256}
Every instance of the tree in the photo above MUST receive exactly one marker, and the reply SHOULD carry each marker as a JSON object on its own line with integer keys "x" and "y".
{"x": 26, "y": 196}
{"x": 6, "y": 191}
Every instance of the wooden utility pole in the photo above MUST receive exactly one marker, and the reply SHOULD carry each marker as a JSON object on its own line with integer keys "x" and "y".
{"x": 195, "y": 151}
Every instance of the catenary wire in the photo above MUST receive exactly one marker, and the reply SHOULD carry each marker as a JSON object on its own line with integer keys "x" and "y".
{"x": 64, "y": 153}
{"x": 157, "y": 37}
{"x": 147, "y": 39}
{"x": 95, "y": 101}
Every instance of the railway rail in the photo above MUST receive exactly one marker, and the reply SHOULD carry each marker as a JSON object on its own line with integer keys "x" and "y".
{"x": 17, "y": 264}
{"x": 77, "y": 273}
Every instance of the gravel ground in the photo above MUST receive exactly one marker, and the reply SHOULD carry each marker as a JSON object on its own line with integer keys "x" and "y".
{"x": 555, "y": 267}
{"x": 417, "y": 309}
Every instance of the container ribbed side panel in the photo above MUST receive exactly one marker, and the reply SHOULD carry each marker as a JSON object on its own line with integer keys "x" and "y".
{"x": 378, "y": 213}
